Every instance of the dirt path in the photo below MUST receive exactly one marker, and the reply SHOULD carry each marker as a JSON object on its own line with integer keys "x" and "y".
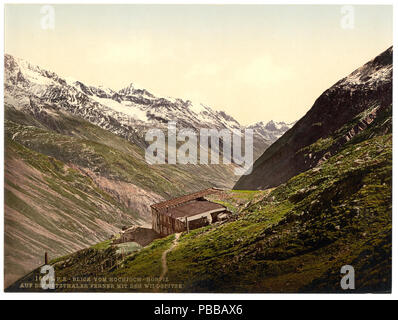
{"x": 164, "y": 257}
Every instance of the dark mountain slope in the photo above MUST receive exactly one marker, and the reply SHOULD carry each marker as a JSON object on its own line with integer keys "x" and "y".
{"x": 340, "y": 113}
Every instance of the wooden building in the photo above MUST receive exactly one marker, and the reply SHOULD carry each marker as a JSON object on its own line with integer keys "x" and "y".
{"x": 185, "y": 213}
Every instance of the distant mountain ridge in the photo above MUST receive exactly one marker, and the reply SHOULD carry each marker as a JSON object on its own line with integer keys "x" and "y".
{"x": 127, "y": 112}
{"x": 271, "y": 130}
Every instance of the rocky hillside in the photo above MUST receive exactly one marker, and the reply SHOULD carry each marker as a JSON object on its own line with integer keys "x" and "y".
{"x": 54, "y": 207}
{"x": 338, "y": 115}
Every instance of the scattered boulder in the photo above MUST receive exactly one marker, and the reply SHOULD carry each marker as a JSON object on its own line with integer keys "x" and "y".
{"x": 142, "y": 236}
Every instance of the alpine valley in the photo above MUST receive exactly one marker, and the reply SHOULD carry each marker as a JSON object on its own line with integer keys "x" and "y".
{"x": 75, "y": 169}
{"x": 319, "y": 198}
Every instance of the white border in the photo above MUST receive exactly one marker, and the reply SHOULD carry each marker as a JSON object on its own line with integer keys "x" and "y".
{"x": 189, "y": 296}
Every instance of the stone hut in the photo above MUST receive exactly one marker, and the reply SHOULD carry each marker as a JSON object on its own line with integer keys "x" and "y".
{"x": 186, "y": 213}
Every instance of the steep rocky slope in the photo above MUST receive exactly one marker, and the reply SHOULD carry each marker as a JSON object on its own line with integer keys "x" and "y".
{"x": 52, "y": 207}
{"x": 339, "y": 114}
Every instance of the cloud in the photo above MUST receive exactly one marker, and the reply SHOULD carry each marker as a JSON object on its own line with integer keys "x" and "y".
{"x": 263, "y": 71}
{"x": 204, "y": 70}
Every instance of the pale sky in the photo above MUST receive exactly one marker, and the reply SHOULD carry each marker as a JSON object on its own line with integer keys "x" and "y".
{"x": 256, "y": 62}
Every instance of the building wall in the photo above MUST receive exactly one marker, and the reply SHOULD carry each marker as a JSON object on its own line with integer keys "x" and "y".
{"x": 198, "y": 223}
{"x": 165, "y": 225}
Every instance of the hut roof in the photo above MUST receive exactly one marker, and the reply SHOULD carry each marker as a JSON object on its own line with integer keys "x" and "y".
{"x": 184, "y": 199}
{"x": 193, "y": 208}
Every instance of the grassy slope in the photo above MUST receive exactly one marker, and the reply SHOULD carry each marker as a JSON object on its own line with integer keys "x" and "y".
{"x": 294, "y": 238}
{"x": 52, "y": 206}
{"x": 302, "y": 233}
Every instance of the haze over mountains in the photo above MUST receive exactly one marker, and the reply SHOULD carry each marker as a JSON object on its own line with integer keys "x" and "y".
{"x": 75, "y": 168}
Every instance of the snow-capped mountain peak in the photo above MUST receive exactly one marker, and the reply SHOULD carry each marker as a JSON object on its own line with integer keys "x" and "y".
{"x": 128, "y": 112}
{"x": 129, "y": 90}
{"x": 270, "y": 130}
{"x": 132, "y": 90}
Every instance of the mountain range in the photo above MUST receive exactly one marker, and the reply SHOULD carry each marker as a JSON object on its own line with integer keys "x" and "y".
{"x": 127, "y": 112}
{"x": 75, "y": 169}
